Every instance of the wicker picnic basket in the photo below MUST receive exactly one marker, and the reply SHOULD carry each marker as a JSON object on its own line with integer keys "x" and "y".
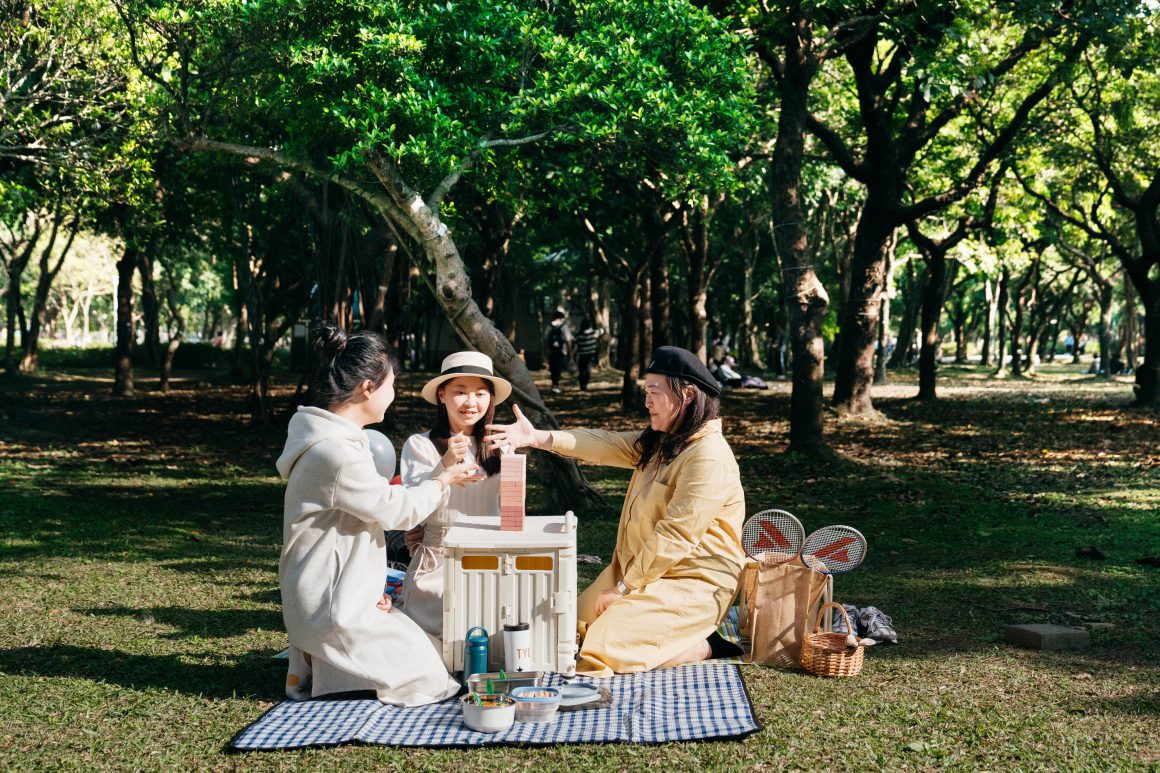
{"x": 826, "y": 654}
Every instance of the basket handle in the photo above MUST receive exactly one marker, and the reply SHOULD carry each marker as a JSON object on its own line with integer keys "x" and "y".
{"x": 840, "y": 608}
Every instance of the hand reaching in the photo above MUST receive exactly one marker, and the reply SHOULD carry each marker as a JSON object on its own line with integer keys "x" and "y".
{"x": 516, "y": 435}
{"x": 459, "y": 474}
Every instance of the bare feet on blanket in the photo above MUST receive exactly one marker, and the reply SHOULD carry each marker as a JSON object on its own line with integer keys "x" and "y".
{"x": 384, "y": 603}
{"x": 698, "y": 652}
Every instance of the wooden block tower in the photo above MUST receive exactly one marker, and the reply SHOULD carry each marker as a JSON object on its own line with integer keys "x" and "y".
{"x": 513, "y": 483}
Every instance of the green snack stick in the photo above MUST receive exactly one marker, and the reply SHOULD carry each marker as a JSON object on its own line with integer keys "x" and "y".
{"x": 490, "y": 687}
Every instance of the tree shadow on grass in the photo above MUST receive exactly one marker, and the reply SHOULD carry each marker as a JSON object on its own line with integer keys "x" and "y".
{"x": 128, "y": 523}
{"x": 1146, "y": 702}
{"x": 199, "y": 623}
{"x": 255, "y": 676}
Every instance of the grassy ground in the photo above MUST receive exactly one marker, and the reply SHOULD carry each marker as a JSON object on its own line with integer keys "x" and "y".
{"x": 139, "y": 543}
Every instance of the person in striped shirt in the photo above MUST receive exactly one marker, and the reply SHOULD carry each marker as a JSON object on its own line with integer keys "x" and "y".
{"x": 585, "y": 343}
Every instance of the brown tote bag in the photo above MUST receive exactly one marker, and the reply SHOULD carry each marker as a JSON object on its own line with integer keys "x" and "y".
{"x": 776, "y": 609}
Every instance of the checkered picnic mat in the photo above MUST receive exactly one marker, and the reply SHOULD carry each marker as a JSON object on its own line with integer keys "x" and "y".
{"x": 676, "y": 704}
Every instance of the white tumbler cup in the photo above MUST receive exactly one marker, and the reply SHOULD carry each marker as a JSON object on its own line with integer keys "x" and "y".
{"x": 517, "y": 648}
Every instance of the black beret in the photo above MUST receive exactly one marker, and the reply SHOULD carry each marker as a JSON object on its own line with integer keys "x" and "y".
{"x": 675, "y": 361}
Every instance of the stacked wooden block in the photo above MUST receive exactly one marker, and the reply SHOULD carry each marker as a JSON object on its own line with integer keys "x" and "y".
{"x": 513, "y": 483}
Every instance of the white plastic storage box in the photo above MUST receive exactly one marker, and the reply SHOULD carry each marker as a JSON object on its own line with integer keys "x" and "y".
{"x": 494, "y": 577}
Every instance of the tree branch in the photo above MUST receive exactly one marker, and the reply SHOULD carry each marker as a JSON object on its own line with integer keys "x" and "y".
{"x": 1030, "y": 41}
{"x": 996, "y": 147}
{"x": 387, "y": 205}
{"x": 435, "y": 200}
{"x": 838, "y": 150}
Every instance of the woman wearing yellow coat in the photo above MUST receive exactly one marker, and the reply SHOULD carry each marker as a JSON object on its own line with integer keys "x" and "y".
{"x": 678, "y": 554}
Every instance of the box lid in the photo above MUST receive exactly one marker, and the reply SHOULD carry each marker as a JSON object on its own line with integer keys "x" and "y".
{"x": 482, "y": 531}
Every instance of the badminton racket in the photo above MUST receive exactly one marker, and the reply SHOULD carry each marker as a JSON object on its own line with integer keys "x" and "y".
{"x": 834, "y": 550}
{"x": 772, "y": 537}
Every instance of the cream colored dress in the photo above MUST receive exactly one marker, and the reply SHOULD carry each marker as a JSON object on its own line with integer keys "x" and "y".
{"x": 333, "y": 564}
{"x": 678, "y": 545}
{"x": 422, "y": 596}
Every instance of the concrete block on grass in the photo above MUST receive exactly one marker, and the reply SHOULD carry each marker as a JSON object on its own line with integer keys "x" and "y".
{"x": 1042, "y": 636}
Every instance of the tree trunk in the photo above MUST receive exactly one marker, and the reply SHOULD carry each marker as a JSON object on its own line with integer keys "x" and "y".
{"x": 855, "y": 371}
{"x": 150, "y": 308}
{"x": 30, "y": 343}
{"x": 959, "y": 320}
{"x": 565, "y": 485}
{"x": 806, "y": 298}
{"x": 1104, "y": 328}
{"x": 598, "y": 295}
{"x": 659, "y": 294}
{"x": 123, "y": 355}
{"x": 880, "y": 355}
{"x": 991, "y": 300}
{"x": 1078, "y": 330}
{"x": 908, "y": 324}
{"x": 751, "y": 352}
{"x": 628, "y": 347}
{"x": 1034, "y": 338}
{"x": 644, "y": 322}
{"x": 1048, "y": 342}
{"x": 695, "y": 240}
{"x": 167, "y": 361}
{"x": 1147, "y": 386}
{"x": 14, "y": 308}
{"x": 934, "y": 296}
{"x": 1018, "y": 300}
{"x": 1001, "y": 325}
{"x": 1130, "y": 328}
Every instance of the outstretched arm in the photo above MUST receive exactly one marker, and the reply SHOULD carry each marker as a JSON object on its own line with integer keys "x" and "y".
{"x": 616, "y": 449}
{"x": 521, "y": 434}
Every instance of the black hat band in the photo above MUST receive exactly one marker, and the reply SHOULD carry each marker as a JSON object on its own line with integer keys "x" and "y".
{"x": 471, "y": 370}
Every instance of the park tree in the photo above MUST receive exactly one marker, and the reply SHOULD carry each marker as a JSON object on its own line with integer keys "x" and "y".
{"x": 1118, "y": 98}
{"x": 66, "y": 134}
{"x": 61, "y": 85}
{"x": 84, "y": 287}
{"x": 919, "y": 71}
{"x": 397, "y": 102}
{"x": 792, "y": 42}
{"x": 940, "y": 273}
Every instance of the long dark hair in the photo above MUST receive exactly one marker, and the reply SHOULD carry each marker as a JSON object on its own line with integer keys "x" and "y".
{"x": 488, "y": 457}
{"x": 663, "y": 447}
{"x": 343, "y": 361}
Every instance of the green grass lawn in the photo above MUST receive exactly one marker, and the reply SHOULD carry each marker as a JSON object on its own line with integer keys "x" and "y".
{"x": 139, "y": 542}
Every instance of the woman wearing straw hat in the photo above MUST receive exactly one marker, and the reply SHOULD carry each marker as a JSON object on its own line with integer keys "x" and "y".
{"x": 464, "y": 394}
{"x": 678, "y": 554}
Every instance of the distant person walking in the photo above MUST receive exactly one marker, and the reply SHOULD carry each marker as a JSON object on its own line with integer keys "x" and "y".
{"x": 586, "y": 350}
{"x": 559, "y": 347}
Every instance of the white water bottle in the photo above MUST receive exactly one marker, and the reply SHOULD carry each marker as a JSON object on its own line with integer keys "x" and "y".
{"x": 517, "y": 647}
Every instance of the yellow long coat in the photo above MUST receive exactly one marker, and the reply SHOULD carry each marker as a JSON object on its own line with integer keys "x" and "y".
{"x": 678, "y": 545}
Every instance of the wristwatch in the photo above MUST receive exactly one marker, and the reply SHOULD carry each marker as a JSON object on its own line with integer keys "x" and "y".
{"x": 620, "y": 586}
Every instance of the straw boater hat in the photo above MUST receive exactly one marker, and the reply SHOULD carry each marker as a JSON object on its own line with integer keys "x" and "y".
{"x": 467, "y": 364}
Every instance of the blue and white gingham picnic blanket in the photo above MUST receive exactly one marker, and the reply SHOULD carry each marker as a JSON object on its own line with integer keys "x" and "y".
{"x": 687, "y": 703}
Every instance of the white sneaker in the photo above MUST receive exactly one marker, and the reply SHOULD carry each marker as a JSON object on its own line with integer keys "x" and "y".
{"x": 555, "y": 390}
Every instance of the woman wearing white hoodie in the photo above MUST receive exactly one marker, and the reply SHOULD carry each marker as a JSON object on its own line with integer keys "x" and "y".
{"x": 343, "y": 636}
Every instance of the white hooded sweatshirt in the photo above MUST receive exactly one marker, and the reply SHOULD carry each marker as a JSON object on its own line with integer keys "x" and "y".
{"x": 334, "y": 565}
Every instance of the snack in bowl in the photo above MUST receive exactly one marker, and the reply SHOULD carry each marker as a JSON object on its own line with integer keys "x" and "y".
{"x": 488, "y": 712}
{"x": 536, "y": 704}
